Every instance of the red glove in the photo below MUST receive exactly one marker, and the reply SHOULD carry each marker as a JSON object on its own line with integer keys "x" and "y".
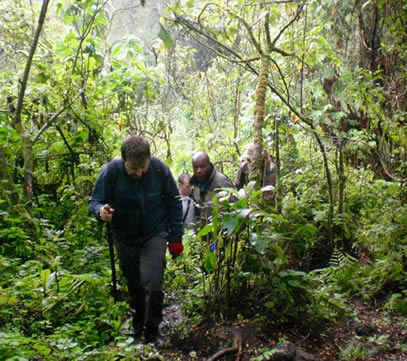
{"x": 175, "y": 249}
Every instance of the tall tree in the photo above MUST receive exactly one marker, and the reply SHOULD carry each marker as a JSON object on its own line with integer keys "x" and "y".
{"x": 243, "y": 39}
{"x": 26, "y": 134}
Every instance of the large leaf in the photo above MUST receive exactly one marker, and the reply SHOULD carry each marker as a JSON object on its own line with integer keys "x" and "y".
{"x": 165, "y": 36}
{"x": 209, "y": 261}
{"x": 205, "y": 230}
{"x": 230, "y": 222}
{"x": 258, "y": 242}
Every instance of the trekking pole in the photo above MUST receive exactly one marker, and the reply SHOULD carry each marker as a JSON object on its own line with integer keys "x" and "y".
{"x": 112, "y": 264}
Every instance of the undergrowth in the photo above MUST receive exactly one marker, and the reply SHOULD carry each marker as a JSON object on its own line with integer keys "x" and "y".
{"x": 250, "y": 262}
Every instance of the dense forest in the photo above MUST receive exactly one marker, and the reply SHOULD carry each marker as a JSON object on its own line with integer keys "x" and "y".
{"x": 316, "y": 273}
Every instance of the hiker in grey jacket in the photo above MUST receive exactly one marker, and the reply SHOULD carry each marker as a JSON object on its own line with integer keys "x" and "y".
{"x": 206, "y": 181}
{"x": 188, "y": 201}
{"x": 137, "y": 194}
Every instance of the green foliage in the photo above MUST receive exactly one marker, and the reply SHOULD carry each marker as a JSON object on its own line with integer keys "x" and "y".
{"x": 264, "y": 354}
{"x": 295, "y": 263}
{"x": 354, "y": 351}
{"x": 342, "y": 275}
{"x": 244, "y": 255}
{"x": 397, "y": 303}
{"x": 77, "y": 307}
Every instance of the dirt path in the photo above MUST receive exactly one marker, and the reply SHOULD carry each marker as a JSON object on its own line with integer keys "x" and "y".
{"x": 370, "y": 334}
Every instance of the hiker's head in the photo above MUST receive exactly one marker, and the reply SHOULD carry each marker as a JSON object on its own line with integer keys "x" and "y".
{"x": 202, "y": 165}
{"x": 183, "y": 185}
{"x": 248, "y": 153}
{"x": 136, "y": 154}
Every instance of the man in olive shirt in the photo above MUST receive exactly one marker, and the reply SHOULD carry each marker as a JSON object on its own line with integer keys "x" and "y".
{"x": 206, "y": 181}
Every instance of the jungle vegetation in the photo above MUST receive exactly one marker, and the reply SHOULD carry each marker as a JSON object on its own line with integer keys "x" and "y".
{"x": 321, "y": 85}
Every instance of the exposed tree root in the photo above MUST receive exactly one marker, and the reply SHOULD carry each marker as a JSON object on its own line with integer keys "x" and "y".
{"x": 236, "y": 348}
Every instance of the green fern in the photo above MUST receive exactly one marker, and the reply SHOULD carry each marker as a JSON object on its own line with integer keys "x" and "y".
{"x": 340, "y": 259}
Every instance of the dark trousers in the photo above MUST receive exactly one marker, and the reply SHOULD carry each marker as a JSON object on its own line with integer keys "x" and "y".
{"x": 143, "y": 266}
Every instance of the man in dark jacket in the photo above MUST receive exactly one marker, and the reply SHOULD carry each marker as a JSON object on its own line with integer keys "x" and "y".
{"x": 138, "y": 195}
{"x": 206, "y": 181}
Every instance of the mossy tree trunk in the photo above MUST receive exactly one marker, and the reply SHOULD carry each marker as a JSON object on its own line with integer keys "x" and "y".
{"x": 256, "y": 166}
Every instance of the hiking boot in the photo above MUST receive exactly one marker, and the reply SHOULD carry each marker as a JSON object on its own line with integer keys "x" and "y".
{"x": 137, "y": 326}
{"x": 152, "y": 336}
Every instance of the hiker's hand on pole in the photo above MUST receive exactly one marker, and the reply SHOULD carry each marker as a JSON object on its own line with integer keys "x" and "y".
{"x": 106, "y": 213}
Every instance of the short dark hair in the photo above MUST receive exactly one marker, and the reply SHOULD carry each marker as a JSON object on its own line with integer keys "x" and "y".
{"x": 136, "y": 149}
{"x": 183, "y": 177}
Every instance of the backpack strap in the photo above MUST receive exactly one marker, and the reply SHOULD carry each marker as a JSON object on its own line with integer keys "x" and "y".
{"x": 186, "y": 213}
{"x": 159, "y": 171}
{"x": 112, "y": 175}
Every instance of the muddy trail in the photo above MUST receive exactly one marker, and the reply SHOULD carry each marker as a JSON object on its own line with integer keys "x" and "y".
{"x": 368, "y": 334}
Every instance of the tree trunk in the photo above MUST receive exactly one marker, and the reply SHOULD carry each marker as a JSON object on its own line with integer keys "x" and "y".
{"x": 25, "y": 134}
{"x": 341, "y": 178}
{"x": 236, "y": 116}
{"x": 23, "y": 85}
{"x": 260, "y": 112}
{"x": 277, "y": 161}
{"x": 329, "y": 184}
{"x": 7, "y": 187}
{"x": 28, "y": 171}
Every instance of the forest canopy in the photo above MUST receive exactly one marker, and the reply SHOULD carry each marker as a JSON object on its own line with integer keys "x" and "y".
{"x": 320, "y": 86}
